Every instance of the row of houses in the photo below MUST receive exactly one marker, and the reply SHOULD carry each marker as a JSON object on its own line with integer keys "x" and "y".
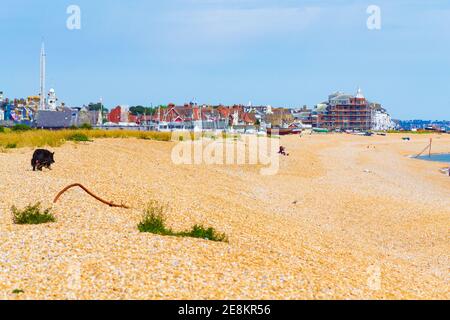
{"x": 341, "y": 112}
{"x": 189, "y": 116}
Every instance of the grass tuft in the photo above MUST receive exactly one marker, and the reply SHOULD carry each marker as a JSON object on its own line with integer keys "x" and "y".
{"x": 11, "y": 146}
{"x": 154, "y": 221}
{"x": 201, "y": 232}
{"x": 32, "y": 214}
{"x": 21, "y": 128}
{"x": 78, "y": 137}
{"x": 18, "y": 291}
{"x": 86, "y": 126}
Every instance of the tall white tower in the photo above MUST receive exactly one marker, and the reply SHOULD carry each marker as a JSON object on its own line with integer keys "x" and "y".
{"x": 42, "y": 104}
{"x": 100, "y": 114}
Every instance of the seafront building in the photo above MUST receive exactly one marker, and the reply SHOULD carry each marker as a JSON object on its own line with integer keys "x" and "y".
{"x": 343, "y": 112}
{"x": 347, "y": 112}
{"x": 381, "y": 120}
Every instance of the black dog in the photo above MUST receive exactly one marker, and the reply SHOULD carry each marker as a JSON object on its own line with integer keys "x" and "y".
{"x": 42, "y": 158}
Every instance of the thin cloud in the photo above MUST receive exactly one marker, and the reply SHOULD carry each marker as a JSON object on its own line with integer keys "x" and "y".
{"x": 237, "y": 25}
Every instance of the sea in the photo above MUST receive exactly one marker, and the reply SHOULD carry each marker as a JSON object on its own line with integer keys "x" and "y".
{"x": 444, "y": 157}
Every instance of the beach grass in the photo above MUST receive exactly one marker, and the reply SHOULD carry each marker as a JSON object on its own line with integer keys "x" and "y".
{"x": 154, "y": 221}
{"x": 78, "y": 137}
{"x": 32, "y": 214}
{"x": 47, "y": 138}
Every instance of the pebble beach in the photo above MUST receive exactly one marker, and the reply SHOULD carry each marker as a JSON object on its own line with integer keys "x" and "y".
{"x": 346, "y": 217}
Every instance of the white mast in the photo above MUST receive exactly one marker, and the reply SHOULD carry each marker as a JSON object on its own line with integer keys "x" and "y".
{"x": 42, "y": 104}
{"x": 100, "y": 116}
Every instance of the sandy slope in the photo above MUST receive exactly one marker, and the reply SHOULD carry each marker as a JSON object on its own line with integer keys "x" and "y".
{"x": 341, "y": 211}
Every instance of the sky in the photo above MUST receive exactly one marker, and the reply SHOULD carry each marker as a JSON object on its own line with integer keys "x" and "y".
{"x": 284, "y": 53}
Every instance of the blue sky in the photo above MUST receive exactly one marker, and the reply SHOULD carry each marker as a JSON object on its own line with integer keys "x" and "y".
{"x": 278, "y": 52}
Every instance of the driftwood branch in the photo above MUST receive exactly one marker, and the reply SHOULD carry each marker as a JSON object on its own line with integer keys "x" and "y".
{"x": 111, "y": 204}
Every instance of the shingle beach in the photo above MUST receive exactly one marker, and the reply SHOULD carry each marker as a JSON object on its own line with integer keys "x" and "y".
{"x": 346, "y": 217}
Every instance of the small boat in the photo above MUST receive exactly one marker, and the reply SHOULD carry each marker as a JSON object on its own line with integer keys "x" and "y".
{"x": 283, "y": 131}
{"x": 320, "y": 130}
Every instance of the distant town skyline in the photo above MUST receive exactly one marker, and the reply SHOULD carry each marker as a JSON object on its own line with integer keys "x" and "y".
{"x": 281, "y": 53}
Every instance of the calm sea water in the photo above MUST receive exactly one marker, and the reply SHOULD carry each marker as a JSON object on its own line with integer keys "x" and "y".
{"x": 437, "y": 157}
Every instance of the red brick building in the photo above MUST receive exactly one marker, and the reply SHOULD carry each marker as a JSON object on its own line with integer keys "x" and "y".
{"x": 115, "y": 115}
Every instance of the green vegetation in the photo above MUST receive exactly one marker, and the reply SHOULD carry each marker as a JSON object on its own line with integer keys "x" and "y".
{"x": 141, "y": 110}
{"x": 2, "y": 129}
{"x": 154, "y": 221}
{"x": 18, "y": 291}
{"x": 21, "y": 127}
{"x": 201, "y": 232}
{"x": 42, "y": 138}
{"x": 96, "y": 107}
{"x": 11, "y": 146}
{"x": 86, "y": 126}
{"x": 78, "y": 137}
{"x": 32, "y": 214}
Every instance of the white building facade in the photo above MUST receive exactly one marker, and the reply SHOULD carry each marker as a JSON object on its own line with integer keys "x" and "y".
{"x": 382, "y": 121}
{"x": 51, "y": 101}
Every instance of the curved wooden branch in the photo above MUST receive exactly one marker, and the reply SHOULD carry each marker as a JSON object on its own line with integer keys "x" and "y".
{"x": 111, "y": 204}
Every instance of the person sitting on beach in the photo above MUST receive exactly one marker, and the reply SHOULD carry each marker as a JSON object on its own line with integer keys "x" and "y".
{"x": 283, "y": 151}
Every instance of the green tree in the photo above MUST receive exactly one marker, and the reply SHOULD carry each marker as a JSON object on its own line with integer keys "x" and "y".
{"x": 97, "y": 107}
{"x": 140, "y": 110}
{"x": 94, "y": 106}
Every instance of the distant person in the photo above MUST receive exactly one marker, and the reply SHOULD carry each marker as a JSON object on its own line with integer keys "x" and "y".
{"x": 283, "y": 151}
